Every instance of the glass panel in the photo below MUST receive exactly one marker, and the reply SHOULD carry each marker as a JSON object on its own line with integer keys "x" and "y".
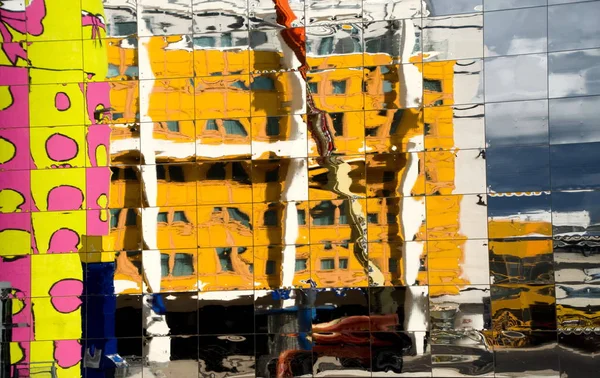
{"x": 224, "y": 255}
{"x": 516, "y": 123}
{"x": 131, "y": 219}
{"x": 161, "y": 172}
{"x": 216, "y": 172}
{"x": 393, "y": 264}
{"x": 179, "y": 216}
{"x": 239, "y": 216}
{"x": 343, "y": 213}
{"x": 521, "y": 31}
{"x": 327, "y": 264}
{"x": 301, "y": 217}
{"x": 240, "y": 85}
{"x": 115, "y": 173}
{"x": 239, "y": 174}
{"x": 323, "y": 214}
{"x": 574, "y": 73}
{"x": 262, "y": 83}
{"x": 516, "y": 78}
{"x": 164, "y": 265}
{"x": 130, "y": 174}
{"x": 205, "y": 41}
{"x": 272, "y": 126}
{"x": 226, "y": 40}
{"x": 113, "y": 71}
{"x": 338, "y": 123}
{"x": 339, "y": 87}
{"x": 390, "y": 39}
{"x": 176, "y": 173}
{"x": 583, "y": 30}
{"x": 574, "y": 120}
{"x": 270, "y": 218}
{"x": 211, "y": 125}
{"x": 234, "y": 127}
{"x": 123, "y": 28}
{"x": 272, "y": 175}
{"x": 326, "y": 46}
{"x": 446, "y": 38}
{"x": 518, "y": 169}
{"x": 270, "y": 267}
{"x": 173, "y": 126}
{"x": 162, "y": 217}
{"x": 511, "y": 217}
{"x": 431, "y": 85}
{"x": 347, "y": 45}
{"x": 343, "y": 263}
{"x": 184, "y": 265}
{"x": 136, "y": 259}
{"x": 468, "y": 82}
{"x": 576, "y": 227}
{"x": 575, "y": 166}
{"x": 301, "y": 264}
{"x": 114, "y": 217}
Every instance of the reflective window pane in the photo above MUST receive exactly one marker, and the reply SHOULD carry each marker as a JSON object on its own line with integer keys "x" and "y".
{"x": 518, "y": 169}
{"x": 574, "y": 120}
{"x": 575, "y": 166}
{"x": 573, "y": 26}
{"x": 516, "y": 78}
{"x": 516, "y": 123}
{"x": 574, "y": 73}
{"x": 457, "y": 37}
{"x": 520, "y": 215}
{"x": 511, "y": 32}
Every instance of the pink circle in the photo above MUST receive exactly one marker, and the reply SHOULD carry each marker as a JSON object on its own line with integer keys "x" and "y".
{"x": 62, "y": 101}
{"x": 63, "y": 241}
{"x": 67, "y": 353}
{"x": 61, "y": 147}
{"x": 65, "y": 295}
{"x": 65, "y": 197}
{"x": 66, "y": 304}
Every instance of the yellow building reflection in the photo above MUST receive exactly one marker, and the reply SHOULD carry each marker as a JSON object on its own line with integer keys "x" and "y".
{"x": 219, "y": 189}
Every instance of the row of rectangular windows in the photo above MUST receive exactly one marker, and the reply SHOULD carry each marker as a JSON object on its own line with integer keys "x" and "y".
{"x": 323, "y": 215}
{"x": 184, "y": 266}
{"x": 272, "y": 129}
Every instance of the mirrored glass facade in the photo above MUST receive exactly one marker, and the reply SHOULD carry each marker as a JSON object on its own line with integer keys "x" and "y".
{"x": 299, "y": 188}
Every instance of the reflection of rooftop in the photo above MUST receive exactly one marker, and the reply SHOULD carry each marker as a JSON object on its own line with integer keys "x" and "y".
{"x": 573, "y": 218}
{"x": 531, "y": 216}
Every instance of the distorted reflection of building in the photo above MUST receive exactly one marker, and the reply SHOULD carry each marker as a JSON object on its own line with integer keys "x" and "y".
{"x": 222, "y": 170}
{"x": 224, "y": 135}
{"x": 319, "y": 176}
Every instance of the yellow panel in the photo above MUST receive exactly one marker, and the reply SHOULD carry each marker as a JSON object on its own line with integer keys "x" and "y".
{"x": 59, "y": 232}
{"x": 56, "y": 105}
{"x": 49, "y": 269}
{"x": 58, "y": 189}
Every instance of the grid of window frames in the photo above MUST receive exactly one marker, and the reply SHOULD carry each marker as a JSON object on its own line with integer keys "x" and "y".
{"x": 321, "y": 188}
